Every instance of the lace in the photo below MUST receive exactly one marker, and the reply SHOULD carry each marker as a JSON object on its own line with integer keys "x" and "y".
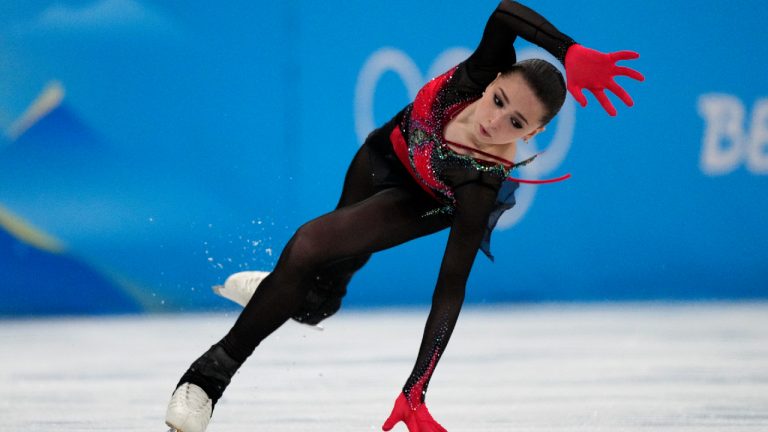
{"x": 194, "y": 397}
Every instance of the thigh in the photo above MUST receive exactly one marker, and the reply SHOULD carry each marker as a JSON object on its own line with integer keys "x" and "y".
{"x": 372, "y": 170}
{"x": 387, "y": 218}
{"x": 375, "y": 167}
{"x": 358, "y": 181}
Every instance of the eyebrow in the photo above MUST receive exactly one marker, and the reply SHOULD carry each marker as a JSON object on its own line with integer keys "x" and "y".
{"x": 504, "y": 95}
{"x": 521, "y": 116}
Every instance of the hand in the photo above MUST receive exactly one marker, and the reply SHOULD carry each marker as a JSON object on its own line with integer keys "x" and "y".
{"x": 417, "y": 420}
{"x": 593, "y": 70}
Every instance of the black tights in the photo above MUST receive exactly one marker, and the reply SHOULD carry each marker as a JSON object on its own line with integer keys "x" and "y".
{"x": 381, "y": 206}
{"x": 368, "y": 218}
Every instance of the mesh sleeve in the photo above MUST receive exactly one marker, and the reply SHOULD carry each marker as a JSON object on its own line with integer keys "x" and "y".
{"x": 495, "y": 52}
{"x": 475, "y": 194}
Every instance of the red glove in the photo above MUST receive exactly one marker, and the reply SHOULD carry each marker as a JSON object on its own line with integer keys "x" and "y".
{"x": 594, "y": 71}
{"x": 417, "y": 420}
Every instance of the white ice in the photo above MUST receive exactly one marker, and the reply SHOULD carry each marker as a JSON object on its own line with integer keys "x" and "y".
{"x": 599, "y": 367}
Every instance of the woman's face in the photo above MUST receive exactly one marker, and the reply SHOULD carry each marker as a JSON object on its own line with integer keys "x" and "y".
{"x": 508, "y": 110}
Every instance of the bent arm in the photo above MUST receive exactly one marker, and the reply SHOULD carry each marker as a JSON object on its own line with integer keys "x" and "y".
{"x": 495, "y": 52}
{"x": 475, "y": 196}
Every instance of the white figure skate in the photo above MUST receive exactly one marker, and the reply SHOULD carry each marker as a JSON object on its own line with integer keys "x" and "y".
{"x": 189, "y": 410}
{"x": 239, "y": 287}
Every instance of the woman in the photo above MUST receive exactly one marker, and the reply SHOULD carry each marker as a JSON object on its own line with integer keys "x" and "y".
{"x": 441, "y": 162}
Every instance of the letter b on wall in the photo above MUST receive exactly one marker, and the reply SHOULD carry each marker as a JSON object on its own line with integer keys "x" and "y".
{"x": 726, "y": 143}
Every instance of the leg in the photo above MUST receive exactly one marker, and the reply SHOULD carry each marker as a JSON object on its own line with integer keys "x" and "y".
{"x": 329, "y": 284}
{"x": 327, "y": 287}
{"x": 386, "y": 219}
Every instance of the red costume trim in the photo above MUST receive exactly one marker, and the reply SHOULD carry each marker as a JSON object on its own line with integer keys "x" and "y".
{"x": 401, "y": 150}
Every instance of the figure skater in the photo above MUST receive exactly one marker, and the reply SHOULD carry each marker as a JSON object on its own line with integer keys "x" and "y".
{"x": 444, "y": 161}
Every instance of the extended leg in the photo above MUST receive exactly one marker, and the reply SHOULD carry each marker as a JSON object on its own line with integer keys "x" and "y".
{"x": 386, "y": 219}
{"x": 328, "y": 285}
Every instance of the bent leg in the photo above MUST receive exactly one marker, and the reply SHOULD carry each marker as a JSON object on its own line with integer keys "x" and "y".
{"x": 328, "y": 285}
{"x": 336, "y": 244}
{"x": 327, "y": 288}
{"x": 386, "y": 219}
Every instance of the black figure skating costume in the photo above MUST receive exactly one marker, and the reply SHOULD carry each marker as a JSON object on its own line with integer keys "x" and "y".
{"x": 403, "y": 183}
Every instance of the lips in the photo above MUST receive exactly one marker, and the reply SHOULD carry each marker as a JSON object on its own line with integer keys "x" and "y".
{"x": 484, "y": 132}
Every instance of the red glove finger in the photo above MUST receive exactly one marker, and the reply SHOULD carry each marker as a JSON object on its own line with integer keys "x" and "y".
{"x": 604, "y": 101}
{"x": 391, "y": 422}
{"x": 399, "y": 413}
{"x": 621, "y": 93}
{"x": 578, "y": 95}
{"x": 625, "y": 71}
{"x": 623, "y": 55}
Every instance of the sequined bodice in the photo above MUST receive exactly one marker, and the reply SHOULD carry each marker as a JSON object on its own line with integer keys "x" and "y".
{"x": 419, "y": 139}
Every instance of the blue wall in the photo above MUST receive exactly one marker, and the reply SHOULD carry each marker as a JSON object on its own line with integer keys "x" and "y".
{"x": 151, "y": 148}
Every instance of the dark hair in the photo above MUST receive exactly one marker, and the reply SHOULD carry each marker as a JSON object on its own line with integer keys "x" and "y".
{"x": 546, "y": 82}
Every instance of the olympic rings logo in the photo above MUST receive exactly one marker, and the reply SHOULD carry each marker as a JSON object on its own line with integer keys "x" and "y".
{"x": 393, "y": 60}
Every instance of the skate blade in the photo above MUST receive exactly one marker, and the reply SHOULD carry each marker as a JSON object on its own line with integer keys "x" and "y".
{"x": 172, "y": 428}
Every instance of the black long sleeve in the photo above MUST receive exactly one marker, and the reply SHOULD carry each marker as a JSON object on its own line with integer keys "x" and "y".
{"x": 475, "y": 193}
{"x": 496, "y": 53}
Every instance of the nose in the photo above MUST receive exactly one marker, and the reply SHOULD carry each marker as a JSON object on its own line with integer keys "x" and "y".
{"x": 496, "y": 121}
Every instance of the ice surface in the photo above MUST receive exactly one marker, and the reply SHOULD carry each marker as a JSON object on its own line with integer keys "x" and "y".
{"x": 608, "y": 367}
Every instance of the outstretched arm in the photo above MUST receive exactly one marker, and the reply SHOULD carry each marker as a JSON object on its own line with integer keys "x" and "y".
{"x": 475, "y": 194}
{"x": 496, "y": 52}
{"x": 585, "y": 68}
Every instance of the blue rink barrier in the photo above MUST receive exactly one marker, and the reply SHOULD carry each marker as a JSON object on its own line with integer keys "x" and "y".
{"x": 150, "y": 150}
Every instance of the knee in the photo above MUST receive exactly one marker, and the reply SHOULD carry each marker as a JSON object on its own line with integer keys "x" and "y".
{"x": 304, "y": 252}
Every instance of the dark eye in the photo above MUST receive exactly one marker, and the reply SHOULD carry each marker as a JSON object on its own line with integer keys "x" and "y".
{"x": 516, "y": 123}
{"x": 497, "y": 101}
